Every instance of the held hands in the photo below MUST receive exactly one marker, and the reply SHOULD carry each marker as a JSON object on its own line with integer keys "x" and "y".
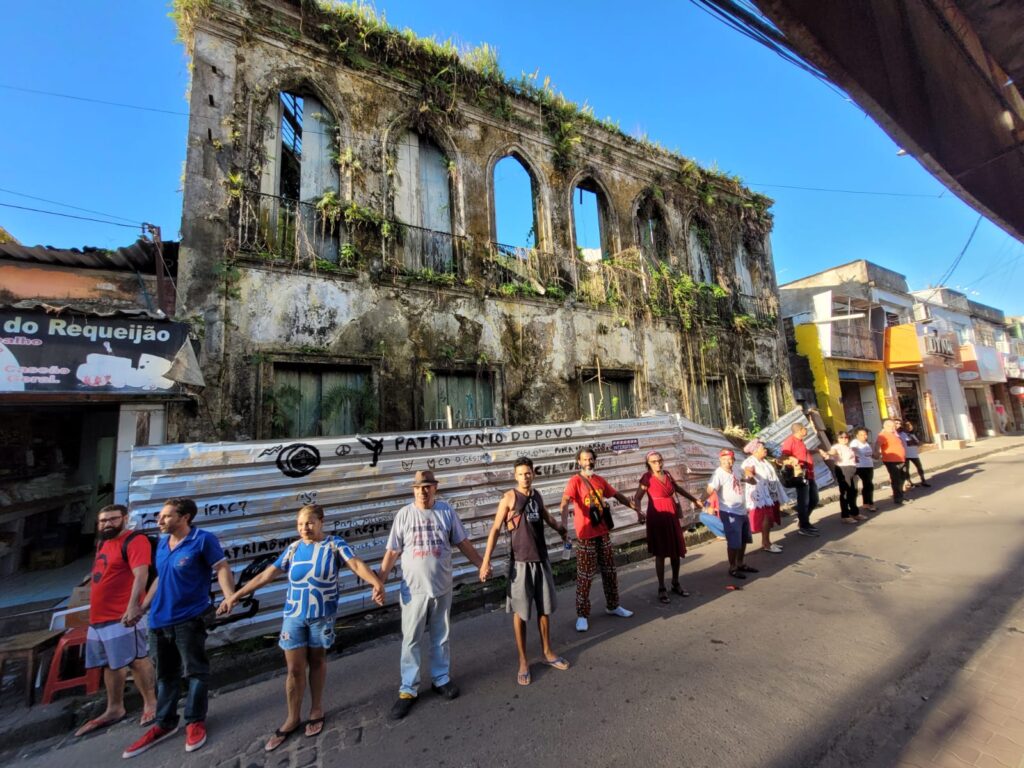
{"x": 641, "y": 517}
{"x": 485, "y": 571}
{"x": 132, "y": 615}
{"x": 378, "y": 593}
{"x": 226, "y": 605}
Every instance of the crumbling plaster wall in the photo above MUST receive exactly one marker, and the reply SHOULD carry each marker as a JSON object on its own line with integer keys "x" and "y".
{"x": 252, "y": 314}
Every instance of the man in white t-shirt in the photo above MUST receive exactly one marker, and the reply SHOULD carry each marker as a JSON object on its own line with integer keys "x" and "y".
{"x": 423, "y": 534}
{"x": 727, "y": 482}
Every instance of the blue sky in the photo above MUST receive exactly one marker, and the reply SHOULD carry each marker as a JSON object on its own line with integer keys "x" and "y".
{"x": 666, "y": 69}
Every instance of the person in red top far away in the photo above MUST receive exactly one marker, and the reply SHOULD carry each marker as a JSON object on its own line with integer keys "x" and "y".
{"x": 806, "y": 495}
{"x": 890, "y": 449}
{"x": 587, "y": 492}
{"x": 116, "y": 639}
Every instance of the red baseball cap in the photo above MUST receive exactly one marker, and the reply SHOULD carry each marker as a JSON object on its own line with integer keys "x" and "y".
{"x": 726, "y": 452}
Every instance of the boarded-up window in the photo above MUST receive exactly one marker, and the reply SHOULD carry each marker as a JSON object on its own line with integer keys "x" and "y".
{"x": 699, "y": 242}
{"x": 708, "y": 405}
{"x": 757, "y": 406}
{"x": 300, "y": 171}
{"x": 423, "y": 203}
{"x": 470, "y": 396}
{"x": 607, "y": 398}
{"x": 314, "y": 401}
{"x": 744, "y": 281}
{"x": 652, "y": 235}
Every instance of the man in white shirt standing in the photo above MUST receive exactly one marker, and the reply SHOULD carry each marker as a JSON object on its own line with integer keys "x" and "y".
{"x": 727, "y": 481}
{"x": 423, "y": 534}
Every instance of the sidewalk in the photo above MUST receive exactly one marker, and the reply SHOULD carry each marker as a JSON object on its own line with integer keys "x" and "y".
{"x": 21, "y": 726}
{"x": 979, "y": 720}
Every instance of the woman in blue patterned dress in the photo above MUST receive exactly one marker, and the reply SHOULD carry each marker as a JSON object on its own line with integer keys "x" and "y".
{"x": 312, "y": 564}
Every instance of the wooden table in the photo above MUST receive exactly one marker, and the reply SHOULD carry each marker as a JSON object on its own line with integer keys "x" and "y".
{"x": 27, "y": 647}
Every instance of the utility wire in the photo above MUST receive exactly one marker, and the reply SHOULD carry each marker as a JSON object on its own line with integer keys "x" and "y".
{"x": 848, "y": 191}
{"x": 93, "y": 101}
{"x": 69, "y": 216}
{"x": 66, "y": 205}
{"x": 952, "y": 267}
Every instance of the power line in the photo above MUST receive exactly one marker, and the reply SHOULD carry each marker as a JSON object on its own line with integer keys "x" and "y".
{"x": 952, "y": 267}
{"x": 93, "y": 101}
{"x": 70, "y": 216}
{"x": 848, "y": 191}
{"x": 66, "y": 205}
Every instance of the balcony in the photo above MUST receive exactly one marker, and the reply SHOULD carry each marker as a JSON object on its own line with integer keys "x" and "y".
{"x": 854, "y": 343}
{"x": 524, "y": 271}
{"x": 426, "y": 251}
{"x": 759, "y": 308}
{"x": 302, "y": 234}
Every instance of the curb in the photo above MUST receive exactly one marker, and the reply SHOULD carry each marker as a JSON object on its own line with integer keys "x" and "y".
{"x": 258, "y": 659}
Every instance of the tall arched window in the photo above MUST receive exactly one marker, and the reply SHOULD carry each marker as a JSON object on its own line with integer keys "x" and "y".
{"x": 590, "y": 221}
{"x": 300, "y": 206}
{"x": 423, "y": 203}
{"x": 515, "y": 205}
{"x": 700, "y": 244}
{"x": 744, "y": 281}
{"x": 652, "y": 234}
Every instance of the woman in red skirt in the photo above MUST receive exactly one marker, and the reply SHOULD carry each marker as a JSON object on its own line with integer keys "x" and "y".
{"x": 664, "y": 533}
{"x": 765, "y": 497}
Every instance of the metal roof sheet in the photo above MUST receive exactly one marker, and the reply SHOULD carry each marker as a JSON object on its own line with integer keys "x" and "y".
{"x": 140, "y": 256}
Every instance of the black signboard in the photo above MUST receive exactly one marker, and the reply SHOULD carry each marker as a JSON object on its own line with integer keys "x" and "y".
{"x": 77, "y": 353}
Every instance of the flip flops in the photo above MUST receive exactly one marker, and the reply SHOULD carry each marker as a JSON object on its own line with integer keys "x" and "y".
{"x": 523, "y": 678}
{"x": 279, "y": 738}
{"x": 97, "y": 723}
{"x": 147, "y": 719}
{"x": 317, "y": 726}
{"x": 557, "y": 663}
{"x": 678, "y": 590}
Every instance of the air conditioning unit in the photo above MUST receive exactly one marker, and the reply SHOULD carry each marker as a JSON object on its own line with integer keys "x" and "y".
{"x": 922, "y": 314}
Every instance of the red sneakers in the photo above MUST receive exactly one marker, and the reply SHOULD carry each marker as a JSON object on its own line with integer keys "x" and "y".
{"x": 152, "y": 737}
{"x": 195, "y": 736}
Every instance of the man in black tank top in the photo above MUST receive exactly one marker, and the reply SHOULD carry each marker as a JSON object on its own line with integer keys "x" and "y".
{"x": 522, "y": 514}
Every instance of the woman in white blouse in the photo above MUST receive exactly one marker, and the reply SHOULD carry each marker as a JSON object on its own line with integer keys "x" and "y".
{"x": 845, "y": 470}
{"x": 861, "y": 445}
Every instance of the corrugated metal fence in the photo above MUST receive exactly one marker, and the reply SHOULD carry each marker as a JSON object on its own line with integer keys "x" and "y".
{"x": 248, "y": 493}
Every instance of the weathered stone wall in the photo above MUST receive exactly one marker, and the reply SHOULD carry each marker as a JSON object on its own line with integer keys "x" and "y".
{"x": 253, "y": 310}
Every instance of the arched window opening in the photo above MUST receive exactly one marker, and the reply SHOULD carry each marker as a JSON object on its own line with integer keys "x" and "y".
{"x": 590, "y": 221}
{"x": 300, "y": 211}
{"x": 744, "y": 281}
{"x": 652, "y": 234}
{"x": 423, "y": 204}
{"x": 515, "y": 205}
{"x": 700, "y": 244}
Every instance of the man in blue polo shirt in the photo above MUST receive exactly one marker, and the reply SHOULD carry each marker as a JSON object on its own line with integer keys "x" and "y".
{"x": 186, "y": 560}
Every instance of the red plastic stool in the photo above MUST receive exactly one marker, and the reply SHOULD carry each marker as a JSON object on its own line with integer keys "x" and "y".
{"x": 72, "y": 642}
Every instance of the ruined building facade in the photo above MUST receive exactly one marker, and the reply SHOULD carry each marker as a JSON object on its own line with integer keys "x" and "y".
{"x": 339, "y": 256}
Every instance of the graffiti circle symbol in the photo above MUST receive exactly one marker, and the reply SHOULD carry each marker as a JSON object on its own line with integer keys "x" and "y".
{"x": 298, "y": 460}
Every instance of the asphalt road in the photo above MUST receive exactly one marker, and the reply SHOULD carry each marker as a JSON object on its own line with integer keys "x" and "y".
{"x": 831, "y": 656}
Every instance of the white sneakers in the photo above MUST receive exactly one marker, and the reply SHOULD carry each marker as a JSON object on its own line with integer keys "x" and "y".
{"x": 582, "y": 625}
{"x": 625, "y": 613}
{"x": 775, "y": 549}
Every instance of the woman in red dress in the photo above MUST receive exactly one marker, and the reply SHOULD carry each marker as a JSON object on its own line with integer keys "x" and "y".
{"x": 664, "y": 533}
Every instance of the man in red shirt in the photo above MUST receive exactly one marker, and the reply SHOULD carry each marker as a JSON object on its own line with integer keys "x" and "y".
{"x": 116, "y": 638}
{"x": 807, "y": 494}
{"x": 587, "y": 491}
{"x": 889, "y": 447}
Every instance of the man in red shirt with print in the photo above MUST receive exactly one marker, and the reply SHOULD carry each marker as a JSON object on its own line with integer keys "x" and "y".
{"x": 806, "y": 495}
{"x": 116, "y": 639}
{"x": 587, "y": 491}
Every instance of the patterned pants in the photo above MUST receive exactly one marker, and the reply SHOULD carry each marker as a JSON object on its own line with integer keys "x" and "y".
{"x": 591, "y": 554}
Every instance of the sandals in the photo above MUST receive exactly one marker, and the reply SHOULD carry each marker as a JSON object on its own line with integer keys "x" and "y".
{"x": 558, "y": 663}
{"x": 96, "y": 724}
{"x": 662, "y": 595}
{"x": 747, "y": 569}
{"x": 523, "y": 678}
{"x": 148, "y": 718}
{"x": 279, "y": 738}
{"x": 678, "y": 590}
{"x": 316, "y": 724}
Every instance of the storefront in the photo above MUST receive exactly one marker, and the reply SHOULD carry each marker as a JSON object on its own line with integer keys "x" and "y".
{"x": 982, "y": 368}
{"x": 77, "y": 392}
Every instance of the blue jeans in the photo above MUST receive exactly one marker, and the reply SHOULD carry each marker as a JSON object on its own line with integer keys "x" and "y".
{"x": 806, "y": 501}
{"x": 422, "y": 614}
{"x": 175, "y": 646}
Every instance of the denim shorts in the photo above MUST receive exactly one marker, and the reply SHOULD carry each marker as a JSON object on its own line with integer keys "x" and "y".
{"x": 737, "y": 529}
{"x": 307, "y": 633}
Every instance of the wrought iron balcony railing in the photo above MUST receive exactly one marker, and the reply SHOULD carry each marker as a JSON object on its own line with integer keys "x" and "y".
{"x": 280, "y": 229}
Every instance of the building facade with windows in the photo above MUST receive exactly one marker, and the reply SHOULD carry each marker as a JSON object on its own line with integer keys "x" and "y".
{"x": 340, "y": 250}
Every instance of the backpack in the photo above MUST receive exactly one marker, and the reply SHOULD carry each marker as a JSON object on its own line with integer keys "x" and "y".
{"x": 153, "y": 541}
